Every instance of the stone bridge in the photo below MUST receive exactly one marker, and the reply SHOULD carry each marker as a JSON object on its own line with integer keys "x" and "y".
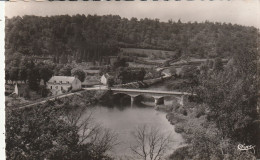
{"x": 156, "y": 94}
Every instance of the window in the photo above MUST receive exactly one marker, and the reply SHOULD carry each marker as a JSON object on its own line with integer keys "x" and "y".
{"x": 54, "y": 81}
{"x": 68, "y": 82}
{"x": 61, "y": 88}
{"x": 51, "y": 87}
{"x": 60, "y": 81}
{"x": 56, "y": 87}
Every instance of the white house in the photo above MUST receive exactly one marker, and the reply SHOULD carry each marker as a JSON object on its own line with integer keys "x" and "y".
{"x": 63, "y": 84}
{"x": 104, "y": 79}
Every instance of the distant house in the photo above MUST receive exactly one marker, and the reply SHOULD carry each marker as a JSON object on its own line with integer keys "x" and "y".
{"x": 18, "y": 89}
{"x": 63, "y": 84}
{"x": 104, "y": 78}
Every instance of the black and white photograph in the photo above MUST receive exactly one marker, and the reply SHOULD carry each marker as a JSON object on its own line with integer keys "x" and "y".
{"x": 130, "y": 80}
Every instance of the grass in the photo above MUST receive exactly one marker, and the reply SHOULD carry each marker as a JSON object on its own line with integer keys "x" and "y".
{"x": 151, "y": 54}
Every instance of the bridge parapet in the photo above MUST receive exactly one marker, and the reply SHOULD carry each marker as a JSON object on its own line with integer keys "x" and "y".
{"x": 157, "y": 95}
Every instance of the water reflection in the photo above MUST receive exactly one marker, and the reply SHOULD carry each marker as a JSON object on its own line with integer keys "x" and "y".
{"x": 124, "y": 120}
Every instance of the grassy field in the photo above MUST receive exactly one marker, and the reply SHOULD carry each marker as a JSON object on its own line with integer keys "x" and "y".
{"x": 150, "y": 54}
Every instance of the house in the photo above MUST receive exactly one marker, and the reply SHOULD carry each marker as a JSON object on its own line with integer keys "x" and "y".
{"x": 63, "y": 84}
{"x": 104, "y": 78}
{"x": 17, "y": 89}
{"x": 20, "y": 90}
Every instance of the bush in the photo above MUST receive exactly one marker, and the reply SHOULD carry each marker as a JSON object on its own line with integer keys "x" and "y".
{"x": 182, "y": 153}
{"x": 199, "y": 111}
{"x": 179, "y": 128}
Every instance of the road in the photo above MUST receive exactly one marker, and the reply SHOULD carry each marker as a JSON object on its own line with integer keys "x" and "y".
{"x": 51, "y": 99}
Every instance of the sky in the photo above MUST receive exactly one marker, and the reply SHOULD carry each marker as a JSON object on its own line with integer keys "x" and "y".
{"x": 243, "y": 12}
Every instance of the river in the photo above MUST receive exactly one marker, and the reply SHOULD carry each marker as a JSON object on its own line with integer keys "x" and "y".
{"x": 124, "y": 121}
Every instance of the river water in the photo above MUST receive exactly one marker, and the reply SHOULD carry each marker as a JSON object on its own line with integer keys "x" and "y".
{"x": 124, "y": 121}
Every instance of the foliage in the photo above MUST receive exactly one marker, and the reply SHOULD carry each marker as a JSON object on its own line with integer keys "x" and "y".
{"x": 226, "y": 114}
{"x": 150, "y": 143}
{"x": 190, "y": 74}
{"x": 65, "y": 71}
{"x": 125, "y": 75}
{"x": 110, "y": 81}
{"x": 120, "y": 62}
{"x": 89, "y": 38}
{"x": 173, "y": 71}
{"x": 80, "y": 74}
{"x": 56, "y": 130}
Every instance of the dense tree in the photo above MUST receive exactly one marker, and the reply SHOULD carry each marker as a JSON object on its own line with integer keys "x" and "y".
{"x": 23, "y": 74}
{"x": 89, "y": 38}
{"x": 39, "y": 133}
{"x": 7, "y": 75}
{"x": 45, "y": 73}
{"x": 80, "y": 74}
{"x": 218, "y": 65}
{"x": 120, "y": 62}
{"x": 65, "y": 71}
{"x": 14, "y": 74}
{"x": 190, "y": 74}
{"x": 231, "y": 96}
{"x": 33, "y": 78}
{"x": 173, "y": 71}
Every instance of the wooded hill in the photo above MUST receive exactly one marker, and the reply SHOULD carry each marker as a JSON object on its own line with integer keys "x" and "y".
{"x": 91, "y": 37}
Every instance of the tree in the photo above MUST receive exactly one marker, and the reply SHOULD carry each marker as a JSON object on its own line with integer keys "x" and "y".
{"x": 65, "y": 71}
{"x": 173, "y": 71}
{"x": 23, "y": 74}
{"x": 64, "y": 59}
{"x": 33, "y": 78}
{"x": 218, "y": 65}
{"x": 80, "y": 74}
{"x": 14, "y": 71}
{"x": 141, "y": 74}
{"x": 110, "y": 81}
{"x": 40, "y": 133}
{"x": 45, "y": 73}
{"x": 190, "y": 73}
{"x": 150, "y": 143}
{"x": 120, "y": 62}
{"x": 7, "y": 75}
{"x": 166, "y": 63}
{"x": 231, "y": 96}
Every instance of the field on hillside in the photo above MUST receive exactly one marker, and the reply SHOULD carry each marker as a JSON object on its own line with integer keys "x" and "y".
{"x": 148, "y": 54}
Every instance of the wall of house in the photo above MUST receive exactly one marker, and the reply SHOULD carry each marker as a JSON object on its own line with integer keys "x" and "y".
{"x": 56, "y": 88}
{"x": 76, "y": 84}
{"x": 103, "y": 80}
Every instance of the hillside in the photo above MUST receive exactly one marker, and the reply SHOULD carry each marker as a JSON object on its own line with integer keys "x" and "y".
{"x": 90, "y": 37}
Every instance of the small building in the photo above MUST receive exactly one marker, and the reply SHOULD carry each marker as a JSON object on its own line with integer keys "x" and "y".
{"x": 17, "y": 89}
{"x": 63, "y": 84}
{"x": 20, "y": 89}
{"x": 104, "y": 78}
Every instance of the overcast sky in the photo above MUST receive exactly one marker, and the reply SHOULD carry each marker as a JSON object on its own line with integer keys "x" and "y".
{"x": 244, "y": 12}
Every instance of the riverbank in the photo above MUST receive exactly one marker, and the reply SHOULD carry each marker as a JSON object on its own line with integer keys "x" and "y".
{"x": 202, "y": 138}
{"x": 188, "y": 121}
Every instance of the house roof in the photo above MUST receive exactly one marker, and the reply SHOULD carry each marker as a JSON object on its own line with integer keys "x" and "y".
{"x": 106, "y": 75}
{"x": 63, "y": 79}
